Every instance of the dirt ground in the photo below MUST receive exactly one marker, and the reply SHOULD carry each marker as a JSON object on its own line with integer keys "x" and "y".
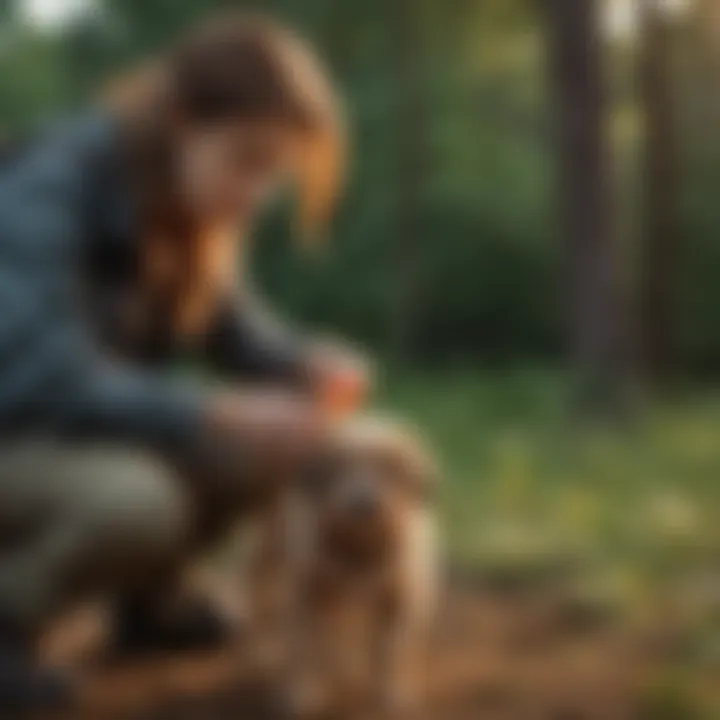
{"x": 496, "y": 656}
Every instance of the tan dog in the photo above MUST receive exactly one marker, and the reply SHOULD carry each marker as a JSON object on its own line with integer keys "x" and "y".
{"x": 357, "y": 582}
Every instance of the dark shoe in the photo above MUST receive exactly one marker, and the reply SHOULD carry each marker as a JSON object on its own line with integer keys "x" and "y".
{"x": 25, "y": 688}
{"x": 145, "y": 629}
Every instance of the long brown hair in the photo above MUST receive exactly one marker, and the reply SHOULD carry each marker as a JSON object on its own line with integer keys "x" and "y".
{"x": 238, "y": 66}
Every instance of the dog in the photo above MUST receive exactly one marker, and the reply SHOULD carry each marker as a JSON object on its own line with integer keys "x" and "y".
{"x": 348, "y": 564}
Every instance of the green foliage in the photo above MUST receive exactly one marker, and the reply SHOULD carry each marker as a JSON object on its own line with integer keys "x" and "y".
{"x": 482, "y": 241}
{"x": 34, "y": 80}
{"x": 671, "y": 699}
{"x": 524, "y": 484}
{"x": 474, "y": 245}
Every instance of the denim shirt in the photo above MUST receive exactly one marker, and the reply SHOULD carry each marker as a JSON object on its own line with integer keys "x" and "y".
{"x": 68, "y": 245}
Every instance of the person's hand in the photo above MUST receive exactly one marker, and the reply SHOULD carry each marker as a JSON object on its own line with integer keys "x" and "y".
{"x": 262, "y": 433}
{"x": 340, "y": 378}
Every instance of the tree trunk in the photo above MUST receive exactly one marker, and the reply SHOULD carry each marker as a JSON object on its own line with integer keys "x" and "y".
{"x": 594, "y": 319}
{"x": 707, "y": 20}
{"x": 659, "y": 253}
{"x": 410, "y": 168}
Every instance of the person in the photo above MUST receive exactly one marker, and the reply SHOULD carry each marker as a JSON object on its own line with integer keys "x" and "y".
{"x": 121, "y": 236}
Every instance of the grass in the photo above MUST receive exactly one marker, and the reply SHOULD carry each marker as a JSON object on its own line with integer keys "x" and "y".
{"x": 627, "y": 515}
{"x": 526, "y": 487}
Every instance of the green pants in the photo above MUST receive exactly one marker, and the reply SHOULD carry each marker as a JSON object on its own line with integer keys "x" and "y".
{"x": 80, "y": 519}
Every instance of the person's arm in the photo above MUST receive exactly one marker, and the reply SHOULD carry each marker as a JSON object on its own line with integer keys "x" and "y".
{"x": 220, "y": 436}
{"x": 245, "y": 340}
{"x": 118, "y": 402}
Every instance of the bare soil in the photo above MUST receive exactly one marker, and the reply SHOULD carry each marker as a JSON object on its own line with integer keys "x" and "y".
{"x": 496, "y": 656}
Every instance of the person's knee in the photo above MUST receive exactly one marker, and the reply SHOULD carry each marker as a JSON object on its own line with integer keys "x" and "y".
{"x": 135, "y": 511}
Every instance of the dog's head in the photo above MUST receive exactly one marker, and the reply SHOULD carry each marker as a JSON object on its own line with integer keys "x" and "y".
{"x": 375, "y": 474}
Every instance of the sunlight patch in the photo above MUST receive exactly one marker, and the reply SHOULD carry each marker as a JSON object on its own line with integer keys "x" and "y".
{"x": 54, "y": 14}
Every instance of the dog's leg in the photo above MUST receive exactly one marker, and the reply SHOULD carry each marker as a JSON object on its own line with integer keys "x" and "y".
{"x": 304, "y": 683}
{"x": 268, "y": 590}
{"x": 326, "y": 670}
{"x": 404, "y": 630}
{"x": 346, "y": 653}
{"x": 303, "y": 693}
{"x": 399, "y": 676}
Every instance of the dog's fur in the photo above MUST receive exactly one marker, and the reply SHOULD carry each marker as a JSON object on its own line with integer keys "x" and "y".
{"x": 351, "y": 560}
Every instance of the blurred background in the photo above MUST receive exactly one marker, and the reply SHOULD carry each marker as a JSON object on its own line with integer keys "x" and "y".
{"x": 530, "y": 245}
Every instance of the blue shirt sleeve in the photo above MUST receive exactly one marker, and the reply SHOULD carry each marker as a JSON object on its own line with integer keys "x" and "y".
{"x": 246, "y": 340}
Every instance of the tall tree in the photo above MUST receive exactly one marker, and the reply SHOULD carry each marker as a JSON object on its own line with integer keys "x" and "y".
{"x": 706, "y": 14}
{"x": 660, "y": 241}
{"x": 594, "y": 322}
{"x": 410, "y": 117}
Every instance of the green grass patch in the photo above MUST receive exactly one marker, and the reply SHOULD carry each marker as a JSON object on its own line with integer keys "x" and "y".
{"x": 527, "y": 486}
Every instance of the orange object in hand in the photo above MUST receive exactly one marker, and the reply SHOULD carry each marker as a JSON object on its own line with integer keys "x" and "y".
{"x": 342, "y": 381}
{"x": 344, "y": 393}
